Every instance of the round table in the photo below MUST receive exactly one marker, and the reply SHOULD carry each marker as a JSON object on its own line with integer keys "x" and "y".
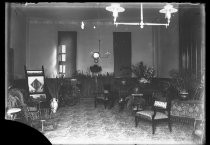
{"x": 12, "y": 111}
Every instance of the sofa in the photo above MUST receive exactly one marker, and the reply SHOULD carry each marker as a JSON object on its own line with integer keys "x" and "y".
{"x": 186, "y": 111}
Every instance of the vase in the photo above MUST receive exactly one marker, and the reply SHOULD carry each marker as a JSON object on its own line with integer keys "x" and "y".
{"x": 54, "y": 105}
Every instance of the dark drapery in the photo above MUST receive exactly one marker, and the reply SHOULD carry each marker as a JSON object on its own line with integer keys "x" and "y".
{"x": 191, "y": 37}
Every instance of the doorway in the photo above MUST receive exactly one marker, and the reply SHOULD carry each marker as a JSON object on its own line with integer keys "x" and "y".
{"x": 122, "y": 53}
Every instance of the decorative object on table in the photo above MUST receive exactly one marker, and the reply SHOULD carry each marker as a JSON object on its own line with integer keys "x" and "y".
{"x": 95, "y": 68}
{"x": 185, "y": 83}
{"x": 143, "y": 80}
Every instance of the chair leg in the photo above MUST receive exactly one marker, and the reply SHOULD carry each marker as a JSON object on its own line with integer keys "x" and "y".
{"x": 169, "y": 125}
{"x": 153, "y": 127}
{"x": 95, "y": 103}
{"x": 136, "y": 121}
{"x": 105, "y": 104}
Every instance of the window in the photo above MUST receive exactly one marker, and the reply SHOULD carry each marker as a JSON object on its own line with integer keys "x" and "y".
{"x": 62, "y": 60}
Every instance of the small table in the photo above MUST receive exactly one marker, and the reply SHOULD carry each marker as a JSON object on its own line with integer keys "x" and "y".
{"x": 12, "y": 111}
{"x": 122, "y": 95}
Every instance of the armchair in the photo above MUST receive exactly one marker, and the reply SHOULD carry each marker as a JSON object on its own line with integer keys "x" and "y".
{"x": 160, "y": 110}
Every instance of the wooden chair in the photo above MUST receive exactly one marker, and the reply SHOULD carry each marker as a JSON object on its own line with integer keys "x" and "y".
{"x": 103, "y": 97}
{"x": 36, "y": 88}
{"x": 39, "y": 98}
{"x": 123, "y": 94}
{"x": 160, "y": 110}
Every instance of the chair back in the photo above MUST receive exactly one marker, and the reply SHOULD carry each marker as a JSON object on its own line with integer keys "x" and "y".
{"x": 161, "y": 101}
{"x": 36, "y": 84}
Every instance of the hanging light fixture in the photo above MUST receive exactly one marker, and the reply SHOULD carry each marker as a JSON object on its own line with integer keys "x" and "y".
{"x": 168, "y": 10}
{"x": 97, "y": 55}
{"x": 115, "y": 9}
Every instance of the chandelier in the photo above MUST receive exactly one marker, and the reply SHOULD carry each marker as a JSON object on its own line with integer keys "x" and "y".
{"x": 167, "y": 10}
{"x": 97, "y": 55}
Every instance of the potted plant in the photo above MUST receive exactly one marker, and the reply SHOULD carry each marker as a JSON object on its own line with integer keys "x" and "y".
{"x": 143, "y": 72}
{"x": 183, "y": 82}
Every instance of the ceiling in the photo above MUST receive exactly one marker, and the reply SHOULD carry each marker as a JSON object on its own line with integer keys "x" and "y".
{"x": 90, "y": 11}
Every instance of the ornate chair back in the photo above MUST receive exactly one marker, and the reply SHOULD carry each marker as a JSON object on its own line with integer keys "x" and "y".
{"x": 36, "y": 85}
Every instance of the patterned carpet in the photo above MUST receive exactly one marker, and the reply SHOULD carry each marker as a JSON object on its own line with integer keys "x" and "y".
{"x": 84, "y": 124}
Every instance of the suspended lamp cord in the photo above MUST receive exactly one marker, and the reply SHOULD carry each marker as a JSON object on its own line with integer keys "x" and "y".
{"x": 141, "y": 13}
{"x": 98, "y": 27}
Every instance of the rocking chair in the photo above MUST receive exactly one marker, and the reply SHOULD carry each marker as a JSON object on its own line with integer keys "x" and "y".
{"x": 38, "y": 96}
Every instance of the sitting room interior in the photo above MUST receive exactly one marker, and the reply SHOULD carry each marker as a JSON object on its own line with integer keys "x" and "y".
{"x": 107, "y": 73}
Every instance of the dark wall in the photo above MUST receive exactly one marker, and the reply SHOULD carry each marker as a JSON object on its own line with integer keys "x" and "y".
{"x": 18, "y": 36}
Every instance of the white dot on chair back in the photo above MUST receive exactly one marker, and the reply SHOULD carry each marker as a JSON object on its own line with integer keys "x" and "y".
{"x": 160, "y": 104}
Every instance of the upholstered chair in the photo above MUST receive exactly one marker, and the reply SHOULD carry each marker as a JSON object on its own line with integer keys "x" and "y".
{"x": 160, "y": 111}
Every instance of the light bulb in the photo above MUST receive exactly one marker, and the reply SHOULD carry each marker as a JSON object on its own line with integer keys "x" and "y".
{"x": 82, "y": 25}
{"x": 95, "y": 55}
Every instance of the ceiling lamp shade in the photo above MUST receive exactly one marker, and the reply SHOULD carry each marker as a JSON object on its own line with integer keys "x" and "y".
{"x": 168, "y": 10}
{"x": 115, "y": 9}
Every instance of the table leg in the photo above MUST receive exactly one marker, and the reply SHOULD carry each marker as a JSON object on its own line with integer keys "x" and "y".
{"x": 42, "y": 125}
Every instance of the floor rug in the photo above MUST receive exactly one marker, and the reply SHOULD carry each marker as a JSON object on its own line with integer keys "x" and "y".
{"x": 84, "y": 124}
